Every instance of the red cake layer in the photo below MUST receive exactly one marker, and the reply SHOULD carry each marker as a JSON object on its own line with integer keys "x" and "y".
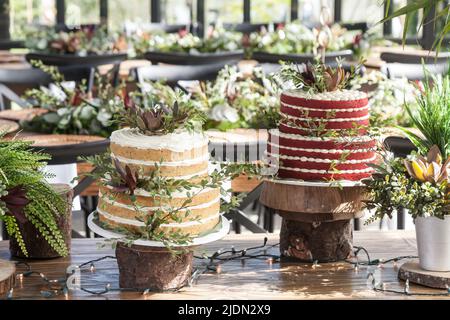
{"x": 307, "y": 132}
{"x": 305, "y": 113}
{"x": 321, "y": 166}
{"x": 363, "y": 155}
{"x": 328, "y": 125}
{"x": 297, "y": 141}
{"x": 323, "y": 104}
{"x": 288, "y": 174}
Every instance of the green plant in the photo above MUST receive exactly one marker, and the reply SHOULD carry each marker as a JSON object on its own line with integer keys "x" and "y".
{"x": 71, "y": 109}
{"x": 235, "y": 100}
{"x": 419, "y": 184}
{"x": 25, "y": 196}
{"x": 432, "y": 115}
{"x": 412, "y": 8}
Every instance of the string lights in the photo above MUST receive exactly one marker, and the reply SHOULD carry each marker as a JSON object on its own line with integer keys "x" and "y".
{"x": 214, "y": 263}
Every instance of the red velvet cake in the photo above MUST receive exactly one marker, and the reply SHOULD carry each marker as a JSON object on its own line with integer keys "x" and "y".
{"x": 323, "y": 136}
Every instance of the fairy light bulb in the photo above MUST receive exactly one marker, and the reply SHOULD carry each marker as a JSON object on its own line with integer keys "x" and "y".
{"x": 92, "y": 267}
{"x": 218, "y": 269}
{"x": 407, "y": 286}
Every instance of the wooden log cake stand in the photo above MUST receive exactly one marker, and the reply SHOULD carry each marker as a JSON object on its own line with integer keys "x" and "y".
{"x": 316, "y": 217}
{"x": 7, "y": 276}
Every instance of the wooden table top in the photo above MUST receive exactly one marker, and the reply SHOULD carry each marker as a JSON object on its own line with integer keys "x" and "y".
{"x": 254, "y": 279}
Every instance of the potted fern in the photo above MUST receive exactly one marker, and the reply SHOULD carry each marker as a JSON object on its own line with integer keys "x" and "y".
{"x": 36, "y": 214}
{"x": 421, "y": 182}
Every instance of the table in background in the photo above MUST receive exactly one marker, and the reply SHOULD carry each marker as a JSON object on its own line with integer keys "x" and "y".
{"x": 254, "y": 279}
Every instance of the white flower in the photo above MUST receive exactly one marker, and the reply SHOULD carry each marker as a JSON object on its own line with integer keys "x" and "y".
{"x": 223, "y": 112}
{"x": 57, "y": 92}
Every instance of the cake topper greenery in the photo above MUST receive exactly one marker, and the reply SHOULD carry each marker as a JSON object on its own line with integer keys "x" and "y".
{"x": 26, "y": 197}
{"x": 318, "y": 77}
{"x": 160, "y": 110}
{"x": 68, "y": 108}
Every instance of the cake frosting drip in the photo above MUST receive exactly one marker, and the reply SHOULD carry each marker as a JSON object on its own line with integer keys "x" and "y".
{"x": 323, "y": 136}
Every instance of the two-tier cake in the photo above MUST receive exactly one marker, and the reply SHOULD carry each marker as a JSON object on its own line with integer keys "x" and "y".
{"x": 323, "y": 136}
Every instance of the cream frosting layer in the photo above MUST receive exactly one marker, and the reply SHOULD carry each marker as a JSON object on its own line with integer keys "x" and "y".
{"x": 148, "y": 209}
{"x": 317, "y": 160}
{"x": 275, "y": 132}
{"x": 338, "y": 95}
{"x": 186, "y": 162}
{"x": 327, "y": 171}
{"x": 174, "y": 194}
{"x": 334, "y": 151}
{"x": 325, "y": 119}
{"x": 177, "y": 141}
{"x": 324, "y": 110}
{"x": 142, "y": 224}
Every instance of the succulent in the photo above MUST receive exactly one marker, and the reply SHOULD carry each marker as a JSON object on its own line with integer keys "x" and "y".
{"x": 129, "y": 179}
{"x": 429, "y": 169}
{"x": 318, "y": 77}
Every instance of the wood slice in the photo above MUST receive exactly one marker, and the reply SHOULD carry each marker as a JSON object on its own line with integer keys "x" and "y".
{"x": 8, "y": 126}
{"x": 327, "y": 203}
{"x": 322, "y": 241}
{"x": 7, "y": 276}
{"x": 22, "y": 115}
{"x": 48, "y": 140}
{"x": 152, "y": 268}
{"x": 37, "y": 246}
{"x": 433, "y": 279}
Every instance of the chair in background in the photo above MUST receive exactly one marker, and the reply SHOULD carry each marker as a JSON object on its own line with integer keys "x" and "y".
{"x": 415, "y": 58}
{"x": 413, "y": 71}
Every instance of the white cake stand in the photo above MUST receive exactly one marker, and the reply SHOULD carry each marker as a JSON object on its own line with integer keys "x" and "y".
{"x": 210, "y": 237}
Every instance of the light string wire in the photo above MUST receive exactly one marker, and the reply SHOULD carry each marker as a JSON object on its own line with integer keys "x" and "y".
{"x": 59, "y": 286}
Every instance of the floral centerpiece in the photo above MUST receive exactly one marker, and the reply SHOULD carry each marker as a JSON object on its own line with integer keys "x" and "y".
{"x": 217, "y": 40}
{"x": 294, "y": 38}
{"x": 70, "y": 109}
{"x": 28, "y": 201}
{"x": 83, "y": 42}
{"x": 235, "y": 100}
{"x": 387, "y": 98}
{"x": 421, "y": 183}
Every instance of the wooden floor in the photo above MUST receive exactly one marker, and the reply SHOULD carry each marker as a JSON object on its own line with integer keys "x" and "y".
{"x": 254, "y": 279}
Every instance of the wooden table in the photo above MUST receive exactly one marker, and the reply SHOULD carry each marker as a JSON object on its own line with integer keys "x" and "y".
{"x": 254, "y": 279}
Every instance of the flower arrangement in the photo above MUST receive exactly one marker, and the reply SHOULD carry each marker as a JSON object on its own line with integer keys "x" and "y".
{"x": 25, "y": 196}
{"x": 295, "y": 38}
{"x": 83, "y": 42}
{"x": 235, "y": 100}
{"x": 387, "y": 98}
{"x": 217, "y": 39}
{"x": 70, "y": 109}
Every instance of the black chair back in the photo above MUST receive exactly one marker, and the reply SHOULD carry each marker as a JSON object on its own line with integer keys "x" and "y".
{"x": 411, "y": 58}
{"x": 413, "y": 71}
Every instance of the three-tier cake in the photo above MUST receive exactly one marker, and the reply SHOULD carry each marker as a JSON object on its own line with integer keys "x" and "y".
{"x": 323, "y": 136}
{"x": 179, "y": 156}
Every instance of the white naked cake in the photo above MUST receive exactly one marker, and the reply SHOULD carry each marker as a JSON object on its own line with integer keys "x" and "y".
{"x": 323, "y": 135}
{"x": 180, "y": 155}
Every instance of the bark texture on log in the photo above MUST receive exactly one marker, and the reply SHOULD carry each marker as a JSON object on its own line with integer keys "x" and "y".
{"x": 7, "y": 276}
{"x": 37, "y": 246}
{"x": 152, "y": 268}
{"x": 415, "y": 274}
{"x": 322, "y": 241}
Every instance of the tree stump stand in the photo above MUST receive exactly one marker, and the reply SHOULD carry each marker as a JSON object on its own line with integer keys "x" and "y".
{"x": 7, "y": 276}
{"x": 153, "y": 268}
{"x": 316, "y": 217}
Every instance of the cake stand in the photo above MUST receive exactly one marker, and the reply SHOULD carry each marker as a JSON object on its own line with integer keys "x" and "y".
{"x": 145, "y": 264}
{"x": 316, "y": 216}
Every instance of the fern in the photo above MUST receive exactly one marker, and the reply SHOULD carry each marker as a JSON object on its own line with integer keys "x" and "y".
{"x": 20, "y": 166}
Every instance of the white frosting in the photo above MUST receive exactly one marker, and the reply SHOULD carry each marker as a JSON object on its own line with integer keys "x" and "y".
{"x": 367, "y": 170}
{"x": 275, "y": 132}
{"x": 328, "y": 120}
{"x": 324, "y": 110}
{"x": 142, "y": 224}
{"x": 338, "y": 95}
{"x": 177, "y": 141}
{"x": 186, "y": 162}
{"x": 317, "y": 160}
{"x": 148, "y": 209}
{"x": 174, "y": 194}
{"x": 276, "y": 146}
